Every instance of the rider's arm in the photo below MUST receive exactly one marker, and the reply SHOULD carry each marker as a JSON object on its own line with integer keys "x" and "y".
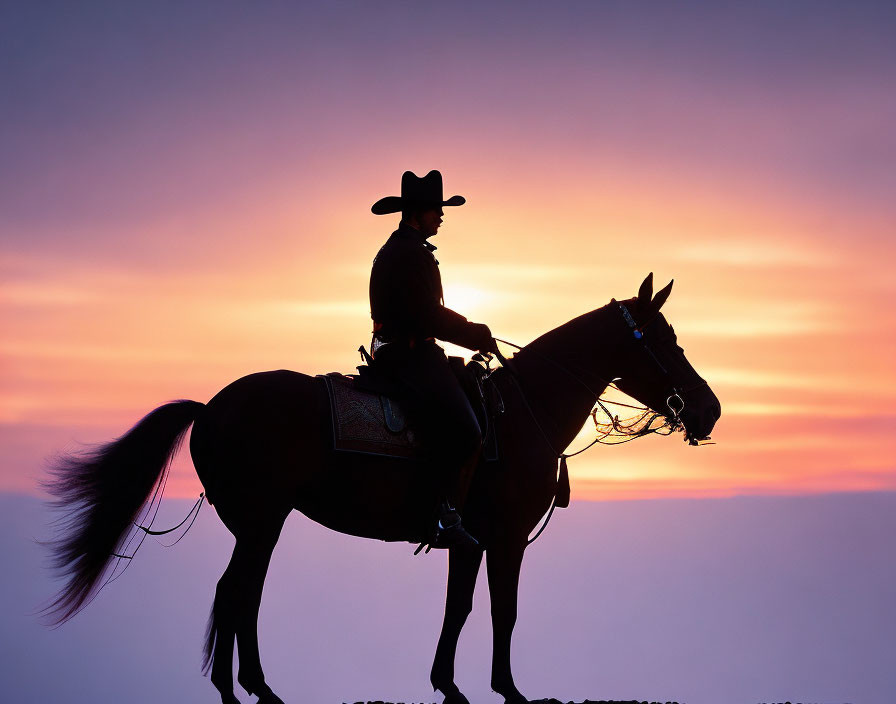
{"x": 453, "y": 327}
{"x": 425, "y": 311}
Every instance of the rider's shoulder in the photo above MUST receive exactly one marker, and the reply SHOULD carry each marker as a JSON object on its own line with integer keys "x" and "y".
{"x": 397, "y": 251}
{"x": 400, "y": 245}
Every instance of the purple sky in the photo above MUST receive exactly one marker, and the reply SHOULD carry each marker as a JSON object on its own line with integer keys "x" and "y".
{"x": 100, "y": 102}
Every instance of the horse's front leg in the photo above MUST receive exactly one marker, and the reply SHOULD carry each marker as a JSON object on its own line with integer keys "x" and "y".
{"x": 463, "y": 566}
{"x": 503, "y": 564}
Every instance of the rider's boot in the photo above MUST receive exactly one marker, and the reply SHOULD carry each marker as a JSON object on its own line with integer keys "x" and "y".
{"x": 450, "y": 532}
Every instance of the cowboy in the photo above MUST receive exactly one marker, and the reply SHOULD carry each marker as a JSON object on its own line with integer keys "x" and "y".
{"x": 408, "y": 311}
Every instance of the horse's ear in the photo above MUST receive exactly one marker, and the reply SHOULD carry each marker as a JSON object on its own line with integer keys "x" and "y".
{"x": 661, "y": 297}
{"x": 646, "y": 291}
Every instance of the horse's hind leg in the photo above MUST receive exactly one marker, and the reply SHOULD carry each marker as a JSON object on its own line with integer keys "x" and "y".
{"x": 251, "y": 676}
{"x": 222, "y": 633}
{"x": 463, "y": 566}
{"x": 235, "y": 611}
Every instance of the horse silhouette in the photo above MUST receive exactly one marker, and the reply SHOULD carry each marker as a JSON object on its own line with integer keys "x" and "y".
{"x": 263, "y": 447}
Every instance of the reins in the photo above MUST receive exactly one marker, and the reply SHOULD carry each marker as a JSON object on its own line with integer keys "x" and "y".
{"x": 562, "y": 481}
{"x": 562, "y": 469}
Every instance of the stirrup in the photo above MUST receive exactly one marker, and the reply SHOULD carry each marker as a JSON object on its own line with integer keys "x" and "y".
{"x": 458, "y": 537}
{"x": 459, "y": 534}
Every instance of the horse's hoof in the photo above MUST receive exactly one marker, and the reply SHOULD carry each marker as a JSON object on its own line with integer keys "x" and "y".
{"x": 516, "y": 698}
{"x": 267, "y": 696}
{"x": 512, "y": 696}
{"x": 452, "y": 695}
{"x": 270, "y": 699}
{"x": 455, "y": 697}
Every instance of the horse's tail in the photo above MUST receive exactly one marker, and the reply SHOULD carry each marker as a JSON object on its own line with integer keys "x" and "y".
{"x": 101, "y": 493}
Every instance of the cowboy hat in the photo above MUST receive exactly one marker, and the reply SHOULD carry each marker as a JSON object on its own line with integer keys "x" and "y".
{"x": 416, "y": 193}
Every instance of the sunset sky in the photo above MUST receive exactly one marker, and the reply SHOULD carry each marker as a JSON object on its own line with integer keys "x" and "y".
{"x": 185, "y": 192}
{"x": 185, "y": 196}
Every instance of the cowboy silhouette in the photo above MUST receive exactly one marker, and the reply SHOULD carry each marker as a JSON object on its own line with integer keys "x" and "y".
{"x": 408, "y": 311}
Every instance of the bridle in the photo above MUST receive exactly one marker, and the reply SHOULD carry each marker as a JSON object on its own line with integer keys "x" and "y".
{"x": 675, "y": 394}
{"x": 672, "y": 421}
{"x": 674, "y": 401}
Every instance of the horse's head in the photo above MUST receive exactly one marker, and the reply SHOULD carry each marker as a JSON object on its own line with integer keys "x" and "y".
{"x": 654, "y": 370}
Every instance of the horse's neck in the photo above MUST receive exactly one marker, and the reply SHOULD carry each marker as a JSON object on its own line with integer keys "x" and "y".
{"x": 561, "y": 387}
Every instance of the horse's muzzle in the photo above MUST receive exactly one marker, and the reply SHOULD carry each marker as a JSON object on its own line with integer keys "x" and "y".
{"x": 700, "y": 414}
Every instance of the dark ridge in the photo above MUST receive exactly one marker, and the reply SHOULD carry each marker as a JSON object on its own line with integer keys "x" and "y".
{"x": 543, "y": 701}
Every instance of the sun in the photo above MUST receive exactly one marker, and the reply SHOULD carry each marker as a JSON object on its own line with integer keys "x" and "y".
{"x": 469, "y": 301}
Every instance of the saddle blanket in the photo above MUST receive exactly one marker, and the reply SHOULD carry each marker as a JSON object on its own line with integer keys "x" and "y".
{"x": 368, "y": 422}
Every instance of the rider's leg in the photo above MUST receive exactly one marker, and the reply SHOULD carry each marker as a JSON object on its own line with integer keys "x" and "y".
{"x": 445, "y": 420}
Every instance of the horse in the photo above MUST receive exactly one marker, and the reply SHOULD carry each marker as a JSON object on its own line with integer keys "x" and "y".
{"x": 263, "y": 447}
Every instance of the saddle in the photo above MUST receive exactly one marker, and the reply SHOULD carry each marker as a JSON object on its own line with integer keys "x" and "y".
{"x": 367, "y": 417}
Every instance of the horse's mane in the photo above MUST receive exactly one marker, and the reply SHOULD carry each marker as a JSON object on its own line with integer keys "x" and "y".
{"x": 582, "y": 327}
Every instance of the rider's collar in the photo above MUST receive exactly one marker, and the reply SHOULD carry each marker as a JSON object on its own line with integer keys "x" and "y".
{"x": 410, "y": 232}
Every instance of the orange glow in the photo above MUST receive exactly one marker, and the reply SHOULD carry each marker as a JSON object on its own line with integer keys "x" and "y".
{"x": 782, "y": 302}
{"x": 801, "y": 382}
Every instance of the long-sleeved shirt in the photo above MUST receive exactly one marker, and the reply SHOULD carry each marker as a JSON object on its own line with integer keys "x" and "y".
{"x": 406, "y": 297}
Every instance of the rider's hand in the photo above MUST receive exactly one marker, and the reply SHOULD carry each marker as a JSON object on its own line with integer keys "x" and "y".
{"x": 484, "y": 340}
